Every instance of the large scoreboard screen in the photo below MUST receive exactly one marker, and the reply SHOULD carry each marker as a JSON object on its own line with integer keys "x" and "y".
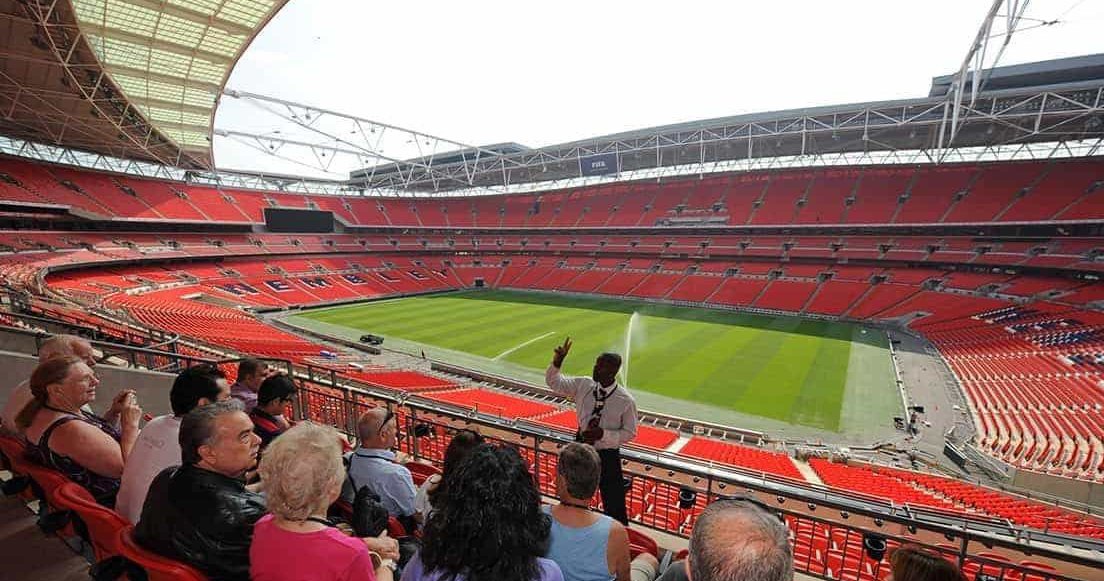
{"x": 291, "y": 220}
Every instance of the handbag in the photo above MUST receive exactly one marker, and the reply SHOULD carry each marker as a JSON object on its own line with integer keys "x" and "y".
{"x": 369, "y": 515}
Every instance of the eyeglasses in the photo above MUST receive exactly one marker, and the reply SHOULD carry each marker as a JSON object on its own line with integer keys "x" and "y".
{"x": 386, "y": 418}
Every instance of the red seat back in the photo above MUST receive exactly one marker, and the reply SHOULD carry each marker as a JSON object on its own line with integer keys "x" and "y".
{"x": 641, "y": 543}
{"x": 13, "y": 456}
{"x": 103, "y": 524}
{"x": 157, "y": 568}
{"x": 49, "y": 481}
{"x": 13, "y": 451}
{"x": 419, "y": 472}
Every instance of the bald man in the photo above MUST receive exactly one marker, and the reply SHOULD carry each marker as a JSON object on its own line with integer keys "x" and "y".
{"x": 56, "y": 346}
{"x": 375, "y": 465}
{"x": 736, "y": 540}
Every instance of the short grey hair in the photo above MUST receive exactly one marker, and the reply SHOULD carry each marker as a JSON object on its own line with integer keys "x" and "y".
{"x": 301, "y": 469}
{"x": 198, "y": 427}
{"x": 580, "y": 468}
{"x": 735, "y": 540}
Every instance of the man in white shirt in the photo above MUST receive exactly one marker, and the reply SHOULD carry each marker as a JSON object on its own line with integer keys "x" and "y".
{"x": 158, "y": 444}
{"x": 56, "y": 346}
{"x": 607, "y": 419}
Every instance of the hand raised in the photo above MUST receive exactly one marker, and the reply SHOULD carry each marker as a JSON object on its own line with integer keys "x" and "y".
{"x": 121, "y": 400}
{"x": 560, "y": 352}
{"x": 130, "y": 414}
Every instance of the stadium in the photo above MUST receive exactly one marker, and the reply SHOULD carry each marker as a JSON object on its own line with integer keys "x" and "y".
{"x": 883, "y": 319}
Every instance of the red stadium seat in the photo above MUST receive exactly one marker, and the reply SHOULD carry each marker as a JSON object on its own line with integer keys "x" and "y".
{"x": 641, "y": 543}
{"x": 157, "y": 567}
{"x": 103, "y": 524}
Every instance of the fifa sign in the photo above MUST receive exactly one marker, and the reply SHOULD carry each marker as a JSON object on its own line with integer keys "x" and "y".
{"x": 597, "y": 165}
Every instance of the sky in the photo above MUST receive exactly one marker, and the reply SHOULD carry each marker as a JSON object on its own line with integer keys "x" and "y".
{"x": 490, "y": 71}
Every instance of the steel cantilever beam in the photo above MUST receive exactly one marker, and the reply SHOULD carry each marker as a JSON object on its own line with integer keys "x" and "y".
{"x": 327, "y": 133}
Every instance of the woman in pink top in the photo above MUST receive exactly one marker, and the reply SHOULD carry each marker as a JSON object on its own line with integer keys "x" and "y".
{"x": 302, "y": 474}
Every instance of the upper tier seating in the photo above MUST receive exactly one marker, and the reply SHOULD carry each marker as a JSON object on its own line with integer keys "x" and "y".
{"x": 1004, "y": 192}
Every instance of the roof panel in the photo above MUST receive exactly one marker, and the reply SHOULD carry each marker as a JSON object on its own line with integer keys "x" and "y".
{"x": 178, "y": 44}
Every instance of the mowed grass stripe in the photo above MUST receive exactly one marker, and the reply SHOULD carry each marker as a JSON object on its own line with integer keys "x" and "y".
{"x": 527, "y": 321}
{"x": 817, "y": 404}
{"x": 784, "y": 368}
{"x": 674, "y": 353}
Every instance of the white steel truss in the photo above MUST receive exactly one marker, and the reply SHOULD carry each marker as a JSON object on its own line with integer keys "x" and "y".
{"x": 326, "y": 140}
{"x": 974, "y": 67}
{"x": 1005, "y": 124}
{"x": 63, "y": 38}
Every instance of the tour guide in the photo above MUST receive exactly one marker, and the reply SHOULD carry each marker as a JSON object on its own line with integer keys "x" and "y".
{"x": 607, "y": 419}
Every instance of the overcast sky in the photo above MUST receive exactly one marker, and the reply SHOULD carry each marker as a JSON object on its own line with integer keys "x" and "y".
{"x": 483, "y": 72}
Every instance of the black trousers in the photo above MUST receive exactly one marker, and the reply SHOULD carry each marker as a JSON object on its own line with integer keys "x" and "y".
{"x": 612, "y": 485}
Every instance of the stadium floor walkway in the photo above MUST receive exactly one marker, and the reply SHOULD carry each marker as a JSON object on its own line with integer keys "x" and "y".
{"x": 29, "y": 555}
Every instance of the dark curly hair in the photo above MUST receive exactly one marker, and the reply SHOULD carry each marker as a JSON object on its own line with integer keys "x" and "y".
{"x": 488, "y": 525}
{"x": 461, "y": 446}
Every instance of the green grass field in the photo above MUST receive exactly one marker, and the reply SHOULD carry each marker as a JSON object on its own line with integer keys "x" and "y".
{"x": 785, "y": 368}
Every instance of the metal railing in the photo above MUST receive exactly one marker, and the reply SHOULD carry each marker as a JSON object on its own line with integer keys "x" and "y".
{"x": 667, "y": 495}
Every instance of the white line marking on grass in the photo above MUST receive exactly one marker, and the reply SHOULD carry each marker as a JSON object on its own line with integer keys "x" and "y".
{"x": 512, "y": 349}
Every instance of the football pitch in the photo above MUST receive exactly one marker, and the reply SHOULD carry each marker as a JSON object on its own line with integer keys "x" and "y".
{"x": 820, "y": 374}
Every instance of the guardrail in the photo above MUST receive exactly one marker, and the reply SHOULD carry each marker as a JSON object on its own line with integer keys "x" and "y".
{"x": 667, "y": 494}
{"x": 133, "y": 357}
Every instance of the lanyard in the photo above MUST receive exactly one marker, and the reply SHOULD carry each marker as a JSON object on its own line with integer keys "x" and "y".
{"x": 600, "y": 398}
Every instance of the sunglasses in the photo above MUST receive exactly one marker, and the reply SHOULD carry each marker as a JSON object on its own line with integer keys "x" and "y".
{"x": 386, "y": 418}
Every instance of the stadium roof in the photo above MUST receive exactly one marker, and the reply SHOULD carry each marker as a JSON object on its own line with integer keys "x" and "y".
{"x": 1051, "y": 102}
{"x": 136, "y": 79}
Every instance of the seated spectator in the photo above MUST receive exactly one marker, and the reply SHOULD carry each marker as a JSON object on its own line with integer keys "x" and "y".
{"x": 488, "y": 526}
{"x": 303, "y": 473}
{"x": 376, "y": 466}
{"x": 56, "y": 346}
{"x": 268, "y": 417}
{"x": 589, "y": 546}
{"x": 736, "y": 540}
{"x": 914, "y": 563}
{"x": 84, "y": 447}
{"x": 434, "y": 487}
{"x": 251, "y": 374}
{"x": 200, "y": 512}
{"x": 158, "y": 444}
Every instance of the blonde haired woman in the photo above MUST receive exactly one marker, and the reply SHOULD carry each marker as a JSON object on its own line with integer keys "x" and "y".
{"x": 84, "y": 447}
{"x": 302, "y": 474}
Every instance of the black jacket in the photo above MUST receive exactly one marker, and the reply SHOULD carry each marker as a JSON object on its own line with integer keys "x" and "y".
{"x": 202, "y": 518}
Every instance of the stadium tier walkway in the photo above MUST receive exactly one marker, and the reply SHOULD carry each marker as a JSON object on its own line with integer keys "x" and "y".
{"x": 807, "y": 471}
{"x": 27, "y": 554}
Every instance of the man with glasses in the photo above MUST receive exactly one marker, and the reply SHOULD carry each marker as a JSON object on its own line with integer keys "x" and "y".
{"x": 273, "y": 397}
{"x": 735, "y": 539}
{"x": 375, "y": 465}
